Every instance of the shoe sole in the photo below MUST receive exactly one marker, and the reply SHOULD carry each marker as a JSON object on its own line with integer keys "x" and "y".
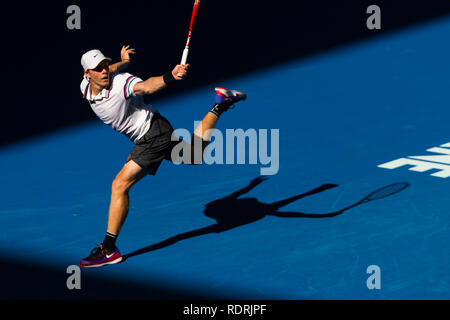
{"x": 103, "y": 264}
{"x": 243, "y": 97}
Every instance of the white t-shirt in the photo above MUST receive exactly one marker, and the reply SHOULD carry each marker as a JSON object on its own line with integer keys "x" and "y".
{"x": 119, "y": 107}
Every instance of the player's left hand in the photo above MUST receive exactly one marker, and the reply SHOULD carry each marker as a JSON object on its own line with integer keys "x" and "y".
{"x": 180, "y": 71}
{"x": 125, "y": 53}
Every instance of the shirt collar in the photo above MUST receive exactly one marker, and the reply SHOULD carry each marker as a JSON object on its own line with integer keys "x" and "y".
{"x": 104, "y": 94}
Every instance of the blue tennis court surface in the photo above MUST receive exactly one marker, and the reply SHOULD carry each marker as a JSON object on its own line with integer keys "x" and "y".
{"x": 340, "y": 115}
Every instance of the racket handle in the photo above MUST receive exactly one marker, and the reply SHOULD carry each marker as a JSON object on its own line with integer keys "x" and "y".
{"x": 184, "y": 58}
{"x": 185, "y": 55}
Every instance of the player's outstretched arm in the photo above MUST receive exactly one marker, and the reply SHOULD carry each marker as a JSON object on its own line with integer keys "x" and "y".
{"x": 154, "y": 84}
{"x": 125, "y": 59}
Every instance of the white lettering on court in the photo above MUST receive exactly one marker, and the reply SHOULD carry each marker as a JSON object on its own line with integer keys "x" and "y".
{"x": 440, "y": 161}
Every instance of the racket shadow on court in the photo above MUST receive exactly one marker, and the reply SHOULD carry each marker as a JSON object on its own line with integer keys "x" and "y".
{"x": 231, "y": 211}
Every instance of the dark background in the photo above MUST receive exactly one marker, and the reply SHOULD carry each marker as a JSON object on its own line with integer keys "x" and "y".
{"x": 41, "y": 57}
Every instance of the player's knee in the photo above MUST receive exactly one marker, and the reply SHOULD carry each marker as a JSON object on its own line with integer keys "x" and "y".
{"x": 120, "y": 185}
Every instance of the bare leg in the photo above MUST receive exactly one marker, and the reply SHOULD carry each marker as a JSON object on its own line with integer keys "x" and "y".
{"x": 201, "y": 138}
{"x": 208, "y": 122}
{"x": 118, "y": 209}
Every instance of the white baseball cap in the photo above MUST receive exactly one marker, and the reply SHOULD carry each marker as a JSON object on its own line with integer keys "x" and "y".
{"x": 92, "y": 58}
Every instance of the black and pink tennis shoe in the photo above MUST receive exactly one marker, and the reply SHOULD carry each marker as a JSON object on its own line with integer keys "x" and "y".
{"x": 100, "y": 257}
{"x": 231, "y": 96}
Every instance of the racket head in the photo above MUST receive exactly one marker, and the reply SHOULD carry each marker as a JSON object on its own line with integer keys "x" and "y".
{"x": 387, "y": 191}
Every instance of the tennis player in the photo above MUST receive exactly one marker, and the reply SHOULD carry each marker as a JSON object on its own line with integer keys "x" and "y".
{"x": 116, "y": 98}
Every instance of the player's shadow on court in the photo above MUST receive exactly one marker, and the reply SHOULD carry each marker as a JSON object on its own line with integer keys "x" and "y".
{"x": 231, "y": 212}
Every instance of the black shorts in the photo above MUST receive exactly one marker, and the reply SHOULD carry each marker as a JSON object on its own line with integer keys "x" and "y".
{"x": 155, "y": 146}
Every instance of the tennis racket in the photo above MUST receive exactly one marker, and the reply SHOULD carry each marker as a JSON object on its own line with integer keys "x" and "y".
{"x": 383, "y": 192}
{"x": 191, "y": 28}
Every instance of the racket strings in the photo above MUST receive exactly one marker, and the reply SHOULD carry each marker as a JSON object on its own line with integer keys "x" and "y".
{"x": 387, "y": 191}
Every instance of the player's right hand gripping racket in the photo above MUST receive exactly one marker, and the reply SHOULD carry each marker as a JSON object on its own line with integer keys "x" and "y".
{"x": 191, "y": 27}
